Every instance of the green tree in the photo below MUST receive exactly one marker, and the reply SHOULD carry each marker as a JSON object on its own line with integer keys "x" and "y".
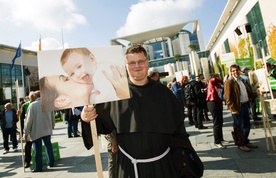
{"x": 177, "y": 57}
{"x": 193, "y": 47}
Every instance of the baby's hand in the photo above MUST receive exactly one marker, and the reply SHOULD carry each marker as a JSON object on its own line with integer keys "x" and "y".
{"x": 119, "y": 81}
{"x": 93, "y": 95}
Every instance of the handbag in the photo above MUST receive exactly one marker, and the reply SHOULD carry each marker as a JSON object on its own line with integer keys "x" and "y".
{"x": 238, "y": 136}
{"x": 185, "y": 159}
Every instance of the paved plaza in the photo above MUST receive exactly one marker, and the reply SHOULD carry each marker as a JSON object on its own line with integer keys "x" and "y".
{"x": 77, "y": 162}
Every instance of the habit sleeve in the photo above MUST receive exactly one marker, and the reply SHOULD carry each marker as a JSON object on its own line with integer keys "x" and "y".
{"x": 104, "y": 126}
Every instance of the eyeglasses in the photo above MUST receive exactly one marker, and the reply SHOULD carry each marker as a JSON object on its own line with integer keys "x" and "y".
{"x": 140, "y": 63}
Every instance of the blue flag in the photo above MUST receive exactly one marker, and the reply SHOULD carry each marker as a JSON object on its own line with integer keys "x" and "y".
{"x": 17, "y": 54}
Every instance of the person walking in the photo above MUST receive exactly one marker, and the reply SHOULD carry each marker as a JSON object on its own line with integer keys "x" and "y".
{"x": 28, "y": 144}
{"x": 190, "y": 100}
{"x": 251, "y": 81}
{"x": 72, "y": 120}
{"x": 21, "y": 104}
{"x": 178, "y": 92}
{"x": 39, "y": 126}
{"x": 214, "y": 105}
{"x": 199, "y": 104}
{"x": 183, "y": 82}
{"x": 254, "y": 82}
{"x": 272, "y": 78}
{"x": 112, "y": 149}
{"x": 204, "y": 85}
{"x": 154, "y": 74}
{"x": 237, "y": 95}
{"x": 8, "y": 126}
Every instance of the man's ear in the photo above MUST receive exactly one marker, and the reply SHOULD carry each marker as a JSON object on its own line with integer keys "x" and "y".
{"x": 62, "y": 101}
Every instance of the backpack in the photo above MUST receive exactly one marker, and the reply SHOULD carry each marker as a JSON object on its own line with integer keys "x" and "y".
{"x": 189, "y": 93}
{"x": 238, "y": 136}
{"x": 221, "y": 93}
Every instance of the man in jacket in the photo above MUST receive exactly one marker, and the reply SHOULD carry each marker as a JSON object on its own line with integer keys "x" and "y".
{"x": 28, "y": 144}
{"x": 237, "y": 96}
{"x": 39, "y": 126}
{"x": 72, "y": 120}
{"x": 200, "y": 101}
{"x": 8, "y": 126}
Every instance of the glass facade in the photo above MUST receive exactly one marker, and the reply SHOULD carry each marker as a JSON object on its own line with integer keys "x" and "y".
{"x": 8, "y": 77}
{"x": 227, "y": 46}
{"x": 194, "y": 40}
{"x": 160, "y": 60}
{"x": 157, "y": 50}
{"x": 258, "y": 33}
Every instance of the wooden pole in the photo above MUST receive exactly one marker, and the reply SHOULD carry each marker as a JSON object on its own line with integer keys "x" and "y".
{"x": 96, "y": 149}
{"x": 21, "y": 135}
{"x": 267, "y": 125}
{"x": 264, "y": 114}
{"x": 21, "y": 138}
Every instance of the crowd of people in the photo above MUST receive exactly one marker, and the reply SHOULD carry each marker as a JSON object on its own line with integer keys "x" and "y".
{"x": 198, "y": 96}
{"x": 36, "y": 126}
{"x": 191, "y": 95}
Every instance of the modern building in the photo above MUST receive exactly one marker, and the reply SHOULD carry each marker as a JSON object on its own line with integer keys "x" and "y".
{"x": 25, "y": 71}
{"x": 167, "y": 45}
{"x": 245, "y": 34}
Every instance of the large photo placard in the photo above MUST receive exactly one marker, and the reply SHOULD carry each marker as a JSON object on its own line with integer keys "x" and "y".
{"x": 81, "y": 76}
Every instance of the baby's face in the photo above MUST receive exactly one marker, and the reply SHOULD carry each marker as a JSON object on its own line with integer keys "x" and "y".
{"x": 80, "y": 68}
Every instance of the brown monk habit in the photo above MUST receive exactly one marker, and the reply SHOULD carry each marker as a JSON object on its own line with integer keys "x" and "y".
{"x": 144, "y": 125}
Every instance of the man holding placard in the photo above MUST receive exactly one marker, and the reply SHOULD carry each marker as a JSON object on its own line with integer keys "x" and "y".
{"x": 147, "y": 125}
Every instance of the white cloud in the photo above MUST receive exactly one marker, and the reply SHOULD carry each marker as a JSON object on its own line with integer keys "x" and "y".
{"x": 151, "y": 14}
{"x": 47, "y": 44}
{"x": 44, "y": 15}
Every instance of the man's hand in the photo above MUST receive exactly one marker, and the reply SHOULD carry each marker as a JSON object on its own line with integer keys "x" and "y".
{"x": 27, "y": 138}
{"x": 119, "y": 81}
{"x": 88, "y": 114}
{"x": 236, "y": 112}
{"x": 114, "y": 148}
{"x": 18, "y": 112}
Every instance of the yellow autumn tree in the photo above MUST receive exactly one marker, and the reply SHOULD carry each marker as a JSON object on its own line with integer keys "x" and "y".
{"x": 272, "y": 40}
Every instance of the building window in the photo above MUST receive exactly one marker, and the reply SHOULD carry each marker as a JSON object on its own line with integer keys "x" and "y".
{"x": 8, "y": 76}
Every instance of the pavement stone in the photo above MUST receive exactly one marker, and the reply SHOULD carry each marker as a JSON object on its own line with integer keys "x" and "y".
{"x": 76, "y": 161}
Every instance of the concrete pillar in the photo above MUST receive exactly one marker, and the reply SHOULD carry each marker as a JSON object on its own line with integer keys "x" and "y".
{"x": 170, "y": 47}
{"x": 164, "y": 49}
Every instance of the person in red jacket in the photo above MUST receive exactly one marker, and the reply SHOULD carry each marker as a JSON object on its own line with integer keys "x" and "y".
{"x": 214, "y": 105}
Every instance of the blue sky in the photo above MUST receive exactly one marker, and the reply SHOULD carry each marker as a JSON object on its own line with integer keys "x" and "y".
{"x": 92, "y": 23}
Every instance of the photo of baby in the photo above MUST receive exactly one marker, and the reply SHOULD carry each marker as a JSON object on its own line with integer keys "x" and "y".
{"x": 77, "y": 77}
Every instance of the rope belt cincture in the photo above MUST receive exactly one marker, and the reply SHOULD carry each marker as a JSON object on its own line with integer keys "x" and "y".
{"x": 135, "y": 161}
